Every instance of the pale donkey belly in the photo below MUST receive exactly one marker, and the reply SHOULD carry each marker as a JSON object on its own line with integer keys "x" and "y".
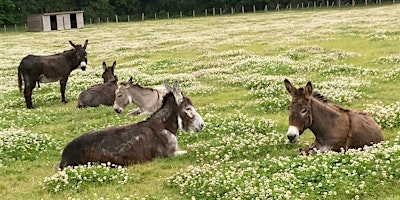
{"x": 44, "y": 79}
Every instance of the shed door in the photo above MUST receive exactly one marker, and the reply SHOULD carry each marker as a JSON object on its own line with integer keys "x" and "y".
{"x": 53, "y": 22}
{"x": 74, "y": 24}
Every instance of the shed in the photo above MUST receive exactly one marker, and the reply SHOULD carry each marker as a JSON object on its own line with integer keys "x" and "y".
{"x": 55, "y": 21}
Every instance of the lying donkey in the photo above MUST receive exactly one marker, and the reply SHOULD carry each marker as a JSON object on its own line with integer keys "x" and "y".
{"x": 155, "y": 137}
{"x": 100, "y": 94}
{"x": 148, "y": 100}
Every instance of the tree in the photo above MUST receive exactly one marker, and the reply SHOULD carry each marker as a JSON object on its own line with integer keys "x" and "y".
{"x": 7, "y": 15}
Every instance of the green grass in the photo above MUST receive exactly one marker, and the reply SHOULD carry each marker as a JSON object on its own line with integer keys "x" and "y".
{"x": 232, "y": 67}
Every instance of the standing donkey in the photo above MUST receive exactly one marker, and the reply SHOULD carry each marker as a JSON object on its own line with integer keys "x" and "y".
{"x": 34, "y": 69}
{"x": 100, "y": 94}
{"x": 334, "y": 128}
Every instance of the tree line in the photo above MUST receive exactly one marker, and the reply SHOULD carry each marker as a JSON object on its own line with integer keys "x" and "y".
{"x": 16, "y": 11}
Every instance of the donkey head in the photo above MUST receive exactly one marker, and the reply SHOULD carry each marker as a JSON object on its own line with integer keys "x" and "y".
{"x": 122, "y": 97}
{"x": 80, "y": 54}
{"x": 188, "y": 118}
{"x": 300, "y": 117}
{"x": 108, "y": 74}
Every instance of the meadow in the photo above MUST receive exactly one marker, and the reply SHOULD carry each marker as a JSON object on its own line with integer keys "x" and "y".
{"x": 232, "y": 67}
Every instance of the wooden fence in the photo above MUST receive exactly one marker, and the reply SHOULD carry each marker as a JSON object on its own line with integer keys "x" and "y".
{"x": 207, "y": 12}
{"x": 220, "y": 11}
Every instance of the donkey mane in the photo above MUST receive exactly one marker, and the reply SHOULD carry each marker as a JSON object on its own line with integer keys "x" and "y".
{"x": 137, "y": 85}
{"x": 319, "y": 96}
{"x": 323, "y": 99}
{"x": 161, "y": 114}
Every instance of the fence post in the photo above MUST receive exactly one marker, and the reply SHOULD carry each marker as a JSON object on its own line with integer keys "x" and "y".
{"x": 129, "y": 19}
{"x": 339, "y": 3}
{"x": 205, "y": 12}
{"x": 315, "y": 4}
{"x": 180, "y": 13}
{"x": 277, "y": 7}
{"x": 366, "y": 3}
{"x": 232, "y": 10}
{"x": 5, "y": 28}
{"x": 242, "y": 9}
{"x": 194, "y": 13}
{"x": 142, "y": 16}
{"x": 98, "y": 19}
{"x": 220, "y": 10}
{"x": 213, "y": 11}
{"x": 155, "y": 15}
{"x": 353, "y": 2}
{"x": 90, "y": 20}
{"x": 254, "y": 8}
{"x": 266, "y": 8}
{"x": 16, "y": 28}
{"x": 116, "y": 18}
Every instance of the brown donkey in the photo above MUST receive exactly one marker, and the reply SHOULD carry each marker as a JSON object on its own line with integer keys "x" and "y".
{"x": 45, "y": 69}
{"x": 100, "y": 94}
{"x": 334, "y": 128}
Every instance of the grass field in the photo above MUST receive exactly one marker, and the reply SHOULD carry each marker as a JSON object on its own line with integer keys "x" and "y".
{"x": 232, "y": 67}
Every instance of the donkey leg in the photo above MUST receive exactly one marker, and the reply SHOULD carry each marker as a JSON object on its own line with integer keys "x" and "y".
{"x": 63, "y": 84}
{"x": 134, "y": 112}
{"x": 28, "y": 93}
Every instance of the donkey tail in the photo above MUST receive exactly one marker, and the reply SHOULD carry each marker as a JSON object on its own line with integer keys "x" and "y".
{"x": 19, "y": 79}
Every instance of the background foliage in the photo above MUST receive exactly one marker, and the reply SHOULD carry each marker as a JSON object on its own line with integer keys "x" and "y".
{"x": 15, "y": 11}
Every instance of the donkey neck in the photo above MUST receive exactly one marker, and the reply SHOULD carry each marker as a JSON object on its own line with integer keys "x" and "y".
{"x": 324, "y": 117}
{"x": 69, "y": 57}
{"x": 142, "y": 96}
{"x": 167, "y": 116}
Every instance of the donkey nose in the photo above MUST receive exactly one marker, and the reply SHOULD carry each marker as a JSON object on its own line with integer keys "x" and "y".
{"x": 117, "y": 110}
{"x": 291, "y": 138}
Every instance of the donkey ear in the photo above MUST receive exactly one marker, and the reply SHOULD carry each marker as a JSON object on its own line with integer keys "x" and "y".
{"x": 309, "y": 89}
{"x": 290, "y": 88}
{"x": 72, "y": 44}
{"x": 85, "y": 45}
{"x": 176, "y": 86}
{"x": 169, "y": 88}
{"x": 104, "y": 66}
{"x": 114, "y": 64}
{"x": 177, "y": 93}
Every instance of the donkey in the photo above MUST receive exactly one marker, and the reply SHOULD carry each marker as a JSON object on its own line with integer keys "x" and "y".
{"x": 34, "y": 69}
{"x": 156, "y": 137}
{"x": 100, "y": 94}
{"x": 334, "y": 128}
{"x": 148, "y": 100}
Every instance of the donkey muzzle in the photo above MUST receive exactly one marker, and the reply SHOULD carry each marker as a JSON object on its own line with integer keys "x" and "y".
{"x": 83, "y": 65}
{"x": 293, "y": 134}
{"x": 117, "y": 110}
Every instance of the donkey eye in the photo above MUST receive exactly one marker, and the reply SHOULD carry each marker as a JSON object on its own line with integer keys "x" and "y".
{"x": 303, "y": 111}
{"x": 188, "y": 109}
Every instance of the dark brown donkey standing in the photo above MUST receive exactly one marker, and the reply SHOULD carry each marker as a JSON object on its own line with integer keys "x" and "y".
{"x": 100, "y": 94}
{"x": 140, "y": 142}
{"x": 334, "y": 128}
{"x": 50, "y": 68}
